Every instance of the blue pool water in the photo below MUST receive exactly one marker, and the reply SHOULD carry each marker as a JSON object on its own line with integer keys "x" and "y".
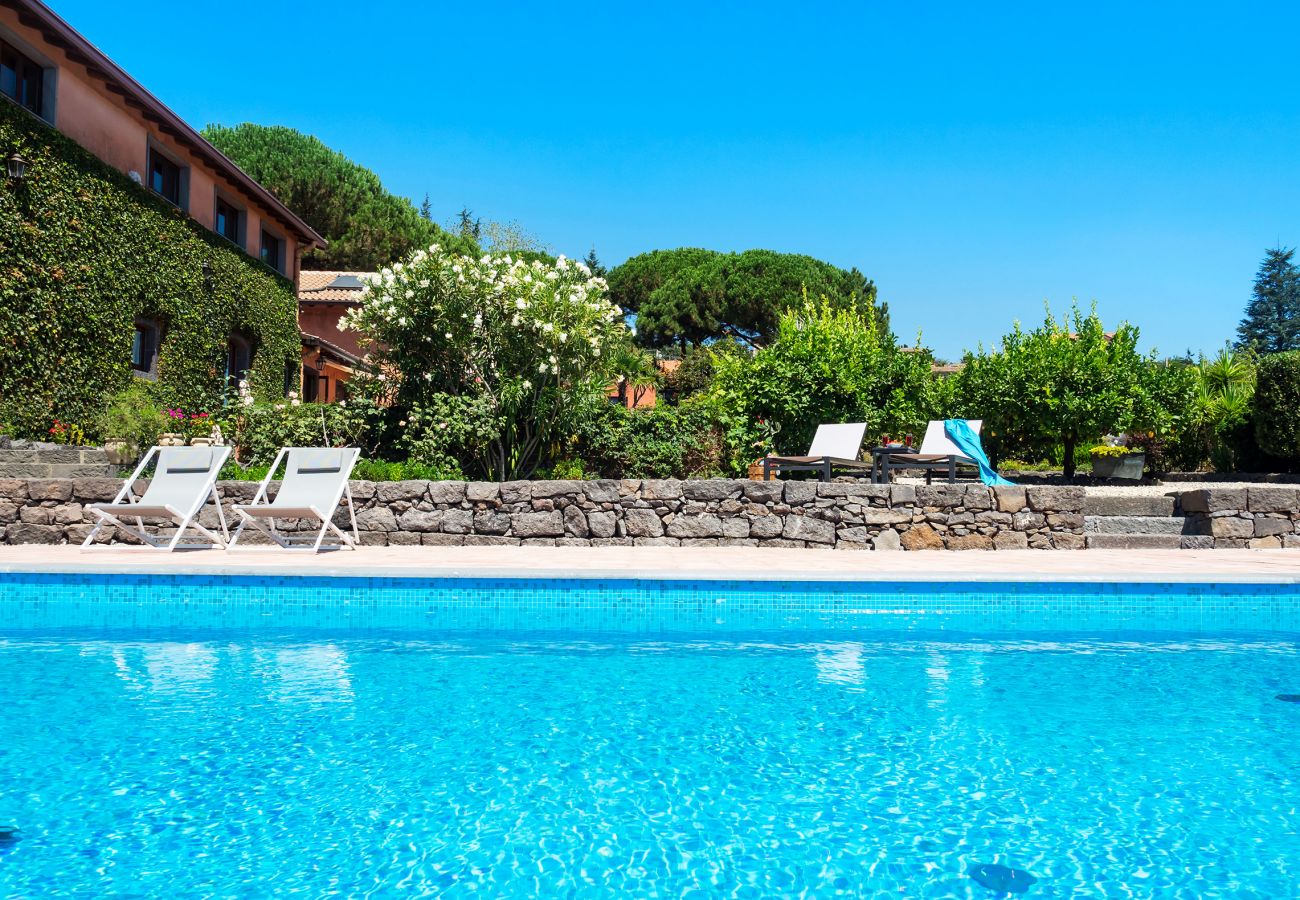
{"x": 811, "y": 753}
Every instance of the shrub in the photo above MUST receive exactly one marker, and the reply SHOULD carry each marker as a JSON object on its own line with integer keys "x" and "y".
{"x": 660, "y": 442}
{"x": 133, "y": 416}
{"x": 826, "y": 364}
{"x": 531, "y": 341}
{"x": 259, "y": 430}
{"x": 1277, "y": 405}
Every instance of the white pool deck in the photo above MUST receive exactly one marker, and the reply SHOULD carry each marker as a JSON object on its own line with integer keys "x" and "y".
{"x": 730, "y": 563}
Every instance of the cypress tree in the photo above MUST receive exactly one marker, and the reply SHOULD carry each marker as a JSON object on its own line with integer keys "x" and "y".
{"x": 1272, "y": 321}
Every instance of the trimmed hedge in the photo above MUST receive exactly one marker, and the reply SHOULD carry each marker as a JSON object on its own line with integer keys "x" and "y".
{"x": 83, "y": 252}
{"x": 1277, "y": 405}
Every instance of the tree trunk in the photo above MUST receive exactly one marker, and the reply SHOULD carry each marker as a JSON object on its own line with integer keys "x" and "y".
{"x": 1068, "y": 465}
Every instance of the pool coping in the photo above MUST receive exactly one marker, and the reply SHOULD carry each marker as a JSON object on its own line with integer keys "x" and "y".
{"x": 1280, "y": 567}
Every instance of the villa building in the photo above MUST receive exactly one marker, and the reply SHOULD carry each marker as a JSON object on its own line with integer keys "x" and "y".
{"x": 124, "y": 216}
{"x": 330, "y": 355}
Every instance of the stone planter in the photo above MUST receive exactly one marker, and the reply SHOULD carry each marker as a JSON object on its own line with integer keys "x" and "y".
{"x": 171, "y": 439}
{"x": 1128, "y": 467}
{"x": 120, "y": 453}
{"x": 201, "y": 442}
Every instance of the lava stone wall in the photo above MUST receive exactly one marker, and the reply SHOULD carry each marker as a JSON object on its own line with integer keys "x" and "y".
{"x": 629, "y": 513}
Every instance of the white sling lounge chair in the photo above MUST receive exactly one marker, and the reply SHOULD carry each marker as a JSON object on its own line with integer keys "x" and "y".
{"x": 184, "y": 479}
{"x": 833, "y": 447}
{"x": 315, "y": 482}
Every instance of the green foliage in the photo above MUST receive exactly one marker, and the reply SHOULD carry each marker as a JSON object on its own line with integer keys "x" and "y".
{"x": 826, "y": 363}
{"x": 259, "y": 430}
{"x": 1272, "y": 321}
{"x": 366, "y": 226}
{"x": 531, "y": 341}
{"x": 409, "y": 470}
{"x": 691, "y": 296}
{"x": 1277, "y": 405}
{"x": 83, "y": 252}
{"x": 1065, "y": 382}
{"x": 1222, "y": 400}
{"x": 659, "y": 442}
{"x": 446, "y": 428}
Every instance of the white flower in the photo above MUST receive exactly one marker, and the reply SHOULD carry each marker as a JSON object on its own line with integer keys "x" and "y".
{"x": 293, "y": 395}
{"x": 382, "y": 377}
{"x": 521, "y": 304}
{"x": 447, "y": 335}
{"x": 402, "y": 424}
{"x": 528, "y": 385}
{"x": 295, "y": 402}
{"x": 248, "y": 400}
{"x": 548, "y": 327}
{"x": 343, "y": 403}
{"x": 542, "y": 368}
{"x": 563, "y": 337}
{"x": 279, "y": 406}
{"x": 424, "y": 282}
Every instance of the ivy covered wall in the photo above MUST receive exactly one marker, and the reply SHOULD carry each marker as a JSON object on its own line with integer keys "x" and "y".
{"x": 83, "y": 252}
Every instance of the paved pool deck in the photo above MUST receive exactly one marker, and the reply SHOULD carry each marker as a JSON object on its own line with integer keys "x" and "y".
{"x": 730, "y": 563}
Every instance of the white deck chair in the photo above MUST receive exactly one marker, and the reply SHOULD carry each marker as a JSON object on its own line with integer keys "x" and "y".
{"x": 184, "y": 479}
{"x": 937, "y": 453}
{"x": 833, "y": 447}
{"x": 315, "y": 482}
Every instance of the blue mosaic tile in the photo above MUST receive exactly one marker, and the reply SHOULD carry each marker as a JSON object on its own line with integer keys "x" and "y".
{"x": 145, "y": 603}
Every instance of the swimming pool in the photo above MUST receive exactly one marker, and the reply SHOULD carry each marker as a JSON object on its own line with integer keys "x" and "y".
{"x": 314, "y": 737}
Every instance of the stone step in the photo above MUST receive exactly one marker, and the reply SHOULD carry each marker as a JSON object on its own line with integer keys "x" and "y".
{"x": 1129, "y": 506}
{"x": 1134, "y": 524}
{"x": 58, "y": 470}
{"x": 1149, "y": 542}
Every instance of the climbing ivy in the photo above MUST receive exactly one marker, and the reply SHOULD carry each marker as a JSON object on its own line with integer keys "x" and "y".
{"x": 83, "y": 252}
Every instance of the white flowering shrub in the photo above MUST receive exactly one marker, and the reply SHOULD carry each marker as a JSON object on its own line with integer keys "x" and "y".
{"x": 531, "y": 340}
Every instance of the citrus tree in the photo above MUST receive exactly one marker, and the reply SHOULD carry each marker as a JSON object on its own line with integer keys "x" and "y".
{"x": 529, "y": 342}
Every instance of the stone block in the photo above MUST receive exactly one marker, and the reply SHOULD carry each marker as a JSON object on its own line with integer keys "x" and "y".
{"x": 430, "y": 539}
{"x": 96, "y": 490}
{"x": 993, "y": 517}
{"x": 970, "y": 542}
{"x": 377, "y": 518}
{"x": 575, "y": 522}
{"x": 1232, "y": 527}
{"x": 765, "y": 527}
{"x": 57, "y": 489}
{"x": 643, "y": 523}
{"x": 1010, "y": 540}
{"x": 1065, "y": 521}
{"x": 544, "y": 489}
{"x": 1271, "y": 499}
{"x": 611, "y": 542}
{"x": 457, "y": 521}
{"x": 888, "y": 539}
{"x": 805, "y": 528}
{"x": 1272, "y": 542}
{"x": 14, "y": 489}
{"x": 978, "y": 497}
{"x": 1009, "y": 499}
{"x": 1195, "y": 542}
{"x": 921, "y": 537}
{"x": 603, "y": 491}
{"x": 1265, "y": 526}
{"x": 35, "y": 515}
{"x": 394, "y": 491}
{"x": 482, "y": 491}
{"x": 1210, "y": 500}
{"x": 447, "y": 493}
{"x": 656, "y": 542}
{"x": 537, "y": 524}
{"x": 572, "y": 542}
{"x": 403, "y": 539}
{"x": 515, "y": 492}
{"x": 362, "y": 491}
{"x": 712, "y": 489}
{"x": 737, "y": 527}
{"x": 1056, "y": 499}
{"x": 798, "y": 493}
{"x": 491, "y": 522}
{"x": 697, "y": 526}
{"x": 874, "y": 516}
{"x": 9, "y": 513}
{"x": 763, "y": 491}
{"x": 1062, "y": 541}
{"x": 858, "y": 489}
{"x": 661, "y": 489}
{"x": 490, "y": 540}
{"x": 700, "y": 542}
{"x": 22, "y": 533}
{"x": 419, "y": 520}
{"x": 940, "y": 495}
{"x": 1028, "y": 521}
{"x": 602, "y": 524}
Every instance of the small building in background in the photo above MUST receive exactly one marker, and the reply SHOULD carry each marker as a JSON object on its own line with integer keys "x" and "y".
{"x": 330, "y": 355}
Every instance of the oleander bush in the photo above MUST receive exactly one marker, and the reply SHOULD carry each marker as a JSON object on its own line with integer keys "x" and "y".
{"x": 83, "y": 252}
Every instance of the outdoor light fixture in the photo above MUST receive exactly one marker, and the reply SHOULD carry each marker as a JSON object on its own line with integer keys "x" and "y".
{"x": 320, "y": 362}
{"x": 17, "y": 167}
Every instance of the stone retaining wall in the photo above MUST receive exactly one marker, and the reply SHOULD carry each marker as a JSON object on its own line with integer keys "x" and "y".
{"x": 1257, "y": 517}
{"x": 623, "y": 513}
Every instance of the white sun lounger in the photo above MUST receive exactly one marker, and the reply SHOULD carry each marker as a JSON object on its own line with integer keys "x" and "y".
{"x": 315, "y": 482}
{"x": 184, "y": 479}
{"x": 833, "y": 447}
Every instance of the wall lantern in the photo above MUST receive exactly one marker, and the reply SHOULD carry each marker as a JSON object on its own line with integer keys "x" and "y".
{"x": 320, "y": 362}
{"x": 17, "y": 167}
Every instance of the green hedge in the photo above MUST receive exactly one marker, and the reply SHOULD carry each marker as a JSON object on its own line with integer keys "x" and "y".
{"x": 1277, "y": 405}
{"x": 83, "y": 251}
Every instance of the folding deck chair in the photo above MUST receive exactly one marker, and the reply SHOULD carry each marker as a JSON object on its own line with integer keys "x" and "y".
{"x": 184, "y": 479}
{"x": 833, "y": 447}
{"x": 315, "y": 482}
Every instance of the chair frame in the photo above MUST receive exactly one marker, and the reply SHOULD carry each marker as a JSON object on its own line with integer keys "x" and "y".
{"x": 301, "y": 542}
{"x": 184, "y": 519}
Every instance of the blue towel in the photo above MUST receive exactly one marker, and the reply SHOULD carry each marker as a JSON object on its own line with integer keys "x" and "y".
{"x": 968, "y": 442}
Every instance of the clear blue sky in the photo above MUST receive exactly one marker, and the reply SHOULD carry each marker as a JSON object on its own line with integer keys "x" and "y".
{"x": 974, "y": 159}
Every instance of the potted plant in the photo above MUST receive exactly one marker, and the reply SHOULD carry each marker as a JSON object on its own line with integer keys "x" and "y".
{"x": 1110, "y": 461}
{"x": 769, "y": 431}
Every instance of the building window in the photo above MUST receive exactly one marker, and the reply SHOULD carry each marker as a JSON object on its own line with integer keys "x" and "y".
{"x": 229, "y": 221}
{"x": 311, "y": 385}
{"x": 165, "y": 177}
{"x": 273, "y": 250}
{"x": 21, "y": 79}
{"x": 239, "y": 357}
{"x": 144, "y": 347}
